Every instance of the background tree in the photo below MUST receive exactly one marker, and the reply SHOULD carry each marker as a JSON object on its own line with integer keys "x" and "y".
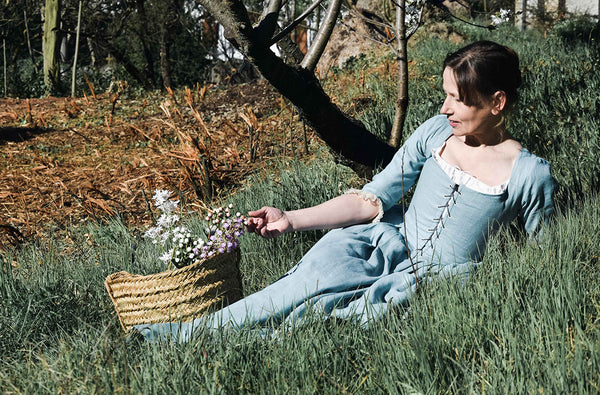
{"x": 406, "y": 21}
{"x": 51, "y": 46}
{"x": 21, "y": 28}
{"x": 169, "y": 25}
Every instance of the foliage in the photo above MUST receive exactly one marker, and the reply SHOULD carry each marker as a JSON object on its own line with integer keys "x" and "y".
{"x": 111, "y": 31}
{"x": 577, "y": 28}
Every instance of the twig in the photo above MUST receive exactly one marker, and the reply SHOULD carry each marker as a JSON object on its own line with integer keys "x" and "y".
{"x": 29, "y": 117}
{"x": 305, "y": 138}
{"x": 295, "y": 23}
{"x": 89, "y": 84}
{"x": 113, "y": 100}
{"x": 148, "y": 208}
{"x": 80, "y": 134}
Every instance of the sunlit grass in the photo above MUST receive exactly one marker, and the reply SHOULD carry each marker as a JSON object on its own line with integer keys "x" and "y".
{"x": 526, "y": 321}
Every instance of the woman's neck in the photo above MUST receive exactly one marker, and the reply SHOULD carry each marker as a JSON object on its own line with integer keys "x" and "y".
{"x": 491, "y": 137}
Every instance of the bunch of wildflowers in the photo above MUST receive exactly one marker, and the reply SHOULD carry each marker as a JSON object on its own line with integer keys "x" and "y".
{"x": 161, "y": 232}
{"x": 221, "y": 235}
{"x": 223, "y": 232}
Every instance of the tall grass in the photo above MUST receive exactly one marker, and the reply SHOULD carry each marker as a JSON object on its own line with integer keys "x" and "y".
{"x": 527, "y": 321}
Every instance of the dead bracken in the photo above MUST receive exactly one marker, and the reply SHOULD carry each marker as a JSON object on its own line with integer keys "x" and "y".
{"x": 66, "y": 160}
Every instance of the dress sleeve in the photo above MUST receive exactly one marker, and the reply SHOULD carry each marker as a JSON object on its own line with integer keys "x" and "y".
{"x": 404, "y": 169}
{"x": 538, "y": 205}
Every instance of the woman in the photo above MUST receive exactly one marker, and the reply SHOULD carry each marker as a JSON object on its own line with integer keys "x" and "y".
{"x": 473, "y": 177}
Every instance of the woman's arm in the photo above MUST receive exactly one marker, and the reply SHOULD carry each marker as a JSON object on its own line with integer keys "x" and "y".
{"x": 340, "y": 211}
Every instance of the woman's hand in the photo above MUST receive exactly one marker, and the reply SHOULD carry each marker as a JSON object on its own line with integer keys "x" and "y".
{"x": 268, "y": 222}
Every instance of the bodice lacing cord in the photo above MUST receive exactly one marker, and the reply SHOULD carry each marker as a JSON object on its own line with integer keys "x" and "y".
{"x": 439, "y": 221}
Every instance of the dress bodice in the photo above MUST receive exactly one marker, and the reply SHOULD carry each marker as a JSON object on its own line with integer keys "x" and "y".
{"x": 448, "y": 221}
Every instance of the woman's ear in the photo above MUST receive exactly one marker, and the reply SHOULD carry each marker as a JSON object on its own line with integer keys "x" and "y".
{"x": 498, "y": 102}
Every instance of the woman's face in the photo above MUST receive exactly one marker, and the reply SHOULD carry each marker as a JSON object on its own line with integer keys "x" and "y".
{"x": 468, "y": 121}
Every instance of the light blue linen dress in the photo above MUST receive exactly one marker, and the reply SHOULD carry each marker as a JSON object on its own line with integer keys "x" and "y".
{"x": 358, "y": 272}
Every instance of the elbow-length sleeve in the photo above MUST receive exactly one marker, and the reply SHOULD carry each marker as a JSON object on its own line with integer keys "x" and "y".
{"x": 404, "y": 169}
{"x": 537, "y": 204}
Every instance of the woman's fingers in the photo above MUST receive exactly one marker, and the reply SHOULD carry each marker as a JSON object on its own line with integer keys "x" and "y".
{"x": 261, "y": 212}
{"x": 254, "y": 224}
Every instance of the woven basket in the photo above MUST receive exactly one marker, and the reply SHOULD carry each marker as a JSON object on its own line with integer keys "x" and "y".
{"x": 176, "y": 295}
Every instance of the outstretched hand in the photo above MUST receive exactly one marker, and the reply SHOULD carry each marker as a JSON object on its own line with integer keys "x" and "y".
{"x": 268, "y": 222}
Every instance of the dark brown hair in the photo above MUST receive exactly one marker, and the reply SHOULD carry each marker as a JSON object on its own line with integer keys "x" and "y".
{"x": 483, "y": 68}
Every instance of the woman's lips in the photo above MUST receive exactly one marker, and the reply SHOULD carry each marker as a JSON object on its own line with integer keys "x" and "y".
{"x": 453, "y": 123}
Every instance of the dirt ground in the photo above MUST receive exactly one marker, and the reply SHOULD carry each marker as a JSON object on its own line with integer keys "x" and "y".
{"x": 65, "y": 161}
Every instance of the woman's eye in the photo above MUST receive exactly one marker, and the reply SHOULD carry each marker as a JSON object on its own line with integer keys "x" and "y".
{"x": 453, "y": 98}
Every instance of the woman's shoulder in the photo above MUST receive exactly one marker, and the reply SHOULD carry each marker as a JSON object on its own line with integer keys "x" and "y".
{"x": 531, "y": 172}
{"x": 529, "y": 163}
{"x": 433, "y": 132}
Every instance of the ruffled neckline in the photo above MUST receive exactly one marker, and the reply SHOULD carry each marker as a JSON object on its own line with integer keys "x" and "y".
{"x": 461, "y": 177}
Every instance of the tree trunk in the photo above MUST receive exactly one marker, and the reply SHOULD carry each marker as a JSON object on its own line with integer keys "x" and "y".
{"x": 165, "y": 63}
{"x": 27, "y": 37}
{"x": 166, "y": 38}
{"x": 51, "y": 50}
{"x": 148, "y": 70}
{"x": 90, "y": 45}
{"x": 4, "y": 67}
{"x": 402, "y": 99}
{"x": 344, "y": 135}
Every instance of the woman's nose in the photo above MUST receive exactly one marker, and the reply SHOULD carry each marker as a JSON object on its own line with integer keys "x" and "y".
{"x": 445, "y": 108}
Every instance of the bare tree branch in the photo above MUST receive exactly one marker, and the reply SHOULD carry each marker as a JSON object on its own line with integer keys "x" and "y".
{"x": 273, "y": 8}
{"x": 368, "y": 20}
{"x": 296, "y": 22}
{"x": 232, "y": 14}
{"x": 268, "y": 20}
{"x": 316, "y": 49}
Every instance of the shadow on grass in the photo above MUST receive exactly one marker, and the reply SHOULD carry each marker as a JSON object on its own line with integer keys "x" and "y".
{"x": 20, "y": 134}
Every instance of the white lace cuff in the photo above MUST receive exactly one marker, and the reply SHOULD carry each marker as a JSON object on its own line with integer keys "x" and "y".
{"x": 371, "y": 197}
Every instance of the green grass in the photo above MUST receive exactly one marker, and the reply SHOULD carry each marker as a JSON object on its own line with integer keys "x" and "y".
{"x": 526, "y": 322}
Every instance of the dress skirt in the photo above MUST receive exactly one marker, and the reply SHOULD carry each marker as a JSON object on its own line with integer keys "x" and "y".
{"x": 353, "y": 273}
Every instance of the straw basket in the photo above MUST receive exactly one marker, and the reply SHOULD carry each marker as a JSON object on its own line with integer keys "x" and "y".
{"x": 176, "y": 295}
